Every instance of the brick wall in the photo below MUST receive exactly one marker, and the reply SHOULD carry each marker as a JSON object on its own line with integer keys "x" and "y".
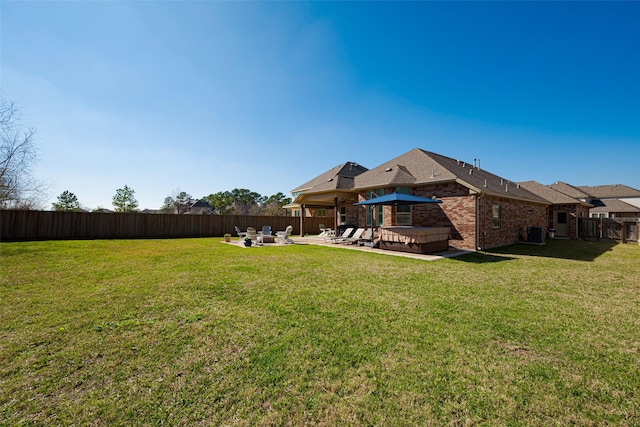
{"x": 515, "y": 217}
{"x": 458, "y": 212}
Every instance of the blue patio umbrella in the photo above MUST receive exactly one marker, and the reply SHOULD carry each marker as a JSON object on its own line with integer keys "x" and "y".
{"x": 394, "y": 199}
{"x": 397, "y": 199}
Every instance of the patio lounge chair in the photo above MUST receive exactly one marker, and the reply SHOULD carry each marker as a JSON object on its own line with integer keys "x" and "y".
{"x": 346, "y": 234}
{"x": 354, "y": 238}
{"x": 284, "y": 236}
{"x": 366, "y": 237}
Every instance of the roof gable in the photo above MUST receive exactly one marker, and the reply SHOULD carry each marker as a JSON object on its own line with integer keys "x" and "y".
{"x": 340, "y": 177}
{"x": 549, "y": 194}
{"x": 570, "y": 190}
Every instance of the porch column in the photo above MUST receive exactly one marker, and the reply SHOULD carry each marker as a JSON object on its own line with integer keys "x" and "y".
{"x": 335, "y": 214}
{"x": 303, "y": 208}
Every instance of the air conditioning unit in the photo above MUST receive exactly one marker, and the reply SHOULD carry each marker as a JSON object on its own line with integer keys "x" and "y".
{"x": 535, "y": 235}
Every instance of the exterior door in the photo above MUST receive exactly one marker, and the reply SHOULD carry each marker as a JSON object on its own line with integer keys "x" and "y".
{"x": 561, "y": 224}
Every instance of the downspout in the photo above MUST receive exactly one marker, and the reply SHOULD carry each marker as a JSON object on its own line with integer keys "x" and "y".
{"x": 478, "y": 223}
{"x": 479, "y": 237}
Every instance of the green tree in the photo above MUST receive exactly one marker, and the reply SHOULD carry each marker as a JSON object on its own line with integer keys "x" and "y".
{"x": 67, "y": 201}
{"x": 246, "y": 202}
{"x": 221, "y": 202}
{"x": 274, "y": 203}
{"x": 124, "y": 201}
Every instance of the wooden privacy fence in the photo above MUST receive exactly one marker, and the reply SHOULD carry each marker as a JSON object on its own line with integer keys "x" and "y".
{"x": 625, "y": 230}
{"x": 18, "y": 225}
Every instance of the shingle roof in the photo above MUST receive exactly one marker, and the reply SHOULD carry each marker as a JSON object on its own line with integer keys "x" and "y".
{"x": 548, "y": 193}
{"x": 570, "y": 190}
{"x": 337, "y": 178}
{"x": 613, "y": 205}
{"x": 615, "y": 191}
{"x": 420, "y": 167}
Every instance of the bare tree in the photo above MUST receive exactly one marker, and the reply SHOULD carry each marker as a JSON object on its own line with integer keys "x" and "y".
{"x": 177, "y": 203}
{"x": 18, "y": 153}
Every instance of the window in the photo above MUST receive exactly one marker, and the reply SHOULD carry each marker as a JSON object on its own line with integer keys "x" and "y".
{"x": 371, "y": 194}
{"x": 403, "y": 212}
{"x": 322, "y": 212}
{"x": 495, "y": 216}
{"x": 296, "y": 212}
{"x": 343, "y": 215}
{"x": 562, "y": 217}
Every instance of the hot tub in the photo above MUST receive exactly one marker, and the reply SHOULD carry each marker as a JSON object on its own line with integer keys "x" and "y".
{"x": 421, "y": 240}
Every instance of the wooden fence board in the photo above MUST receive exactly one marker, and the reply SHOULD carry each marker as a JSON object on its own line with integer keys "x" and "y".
{"x": 611, "y": 229}
{"x": 18, "y": 225}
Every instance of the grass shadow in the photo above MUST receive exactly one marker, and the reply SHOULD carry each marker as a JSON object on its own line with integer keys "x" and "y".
{"x": 482, "y": 258}
{"x": 579, "y": 250}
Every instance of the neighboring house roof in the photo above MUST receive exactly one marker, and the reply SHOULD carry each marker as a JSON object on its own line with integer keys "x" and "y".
{"x": 549, "y": 194}
{"x": 613, "y": 205}
{"x": 615, "y": 191}
{"x": 338, "y": 178}
{"x": 420, "y": 167}
{"x": 571, "y": 191}
{"x": 198, "y": 204}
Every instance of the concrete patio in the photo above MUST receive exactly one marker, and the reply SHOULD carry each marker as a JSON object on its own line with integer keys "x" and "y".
{"x": 322, "y": 241}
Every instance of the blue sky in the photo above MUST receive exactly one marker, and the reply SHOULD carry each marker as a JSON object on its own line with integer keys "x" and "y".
{"x": 206, "y": 96}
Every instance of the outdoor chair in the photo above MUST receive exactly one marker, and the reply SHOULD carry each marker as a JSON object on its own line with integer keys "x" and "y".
{"x": 241, "y": 234}
{"x": 253, "y": 235}
{"x": 266, "y": 230}
{"x": 338, "y": 239}
{"x": 366, "y": 237}
{"x": 324, "y": 231}
{"x": 284, "y": 236}
{"x": 353, "y": 238}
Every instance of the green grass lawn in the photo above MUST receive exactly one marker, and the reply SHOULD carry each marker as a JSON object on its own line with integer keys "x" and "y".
{"x": 196, "y": 332}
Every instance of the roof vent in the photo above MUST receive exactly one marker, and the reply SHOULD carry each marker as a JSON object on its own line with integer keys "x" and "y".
{"x": 330, "y": 179}
{"x": 388, "y": 169}
{"x": 485, "y": 183}
{"x": 433, "y": 173}
{"x": 506, "y": 187}
{"x": 464, "y": 164}
{"x": 470, "y": 171}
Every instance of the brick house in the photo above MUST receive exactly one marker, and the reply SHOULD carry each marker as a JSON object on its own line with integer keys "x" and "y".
{"x": 564, "y": 211}
{"x": 481, "y": 209}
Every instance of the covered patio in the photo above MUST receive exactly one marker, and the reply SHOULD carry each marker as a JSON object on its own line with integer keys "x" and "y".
{"x": 333, "y": 200}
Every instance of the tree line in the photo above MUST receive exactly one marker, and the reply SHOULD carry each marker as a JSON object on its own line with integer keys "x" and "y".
{"x": 239, "y": 201}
